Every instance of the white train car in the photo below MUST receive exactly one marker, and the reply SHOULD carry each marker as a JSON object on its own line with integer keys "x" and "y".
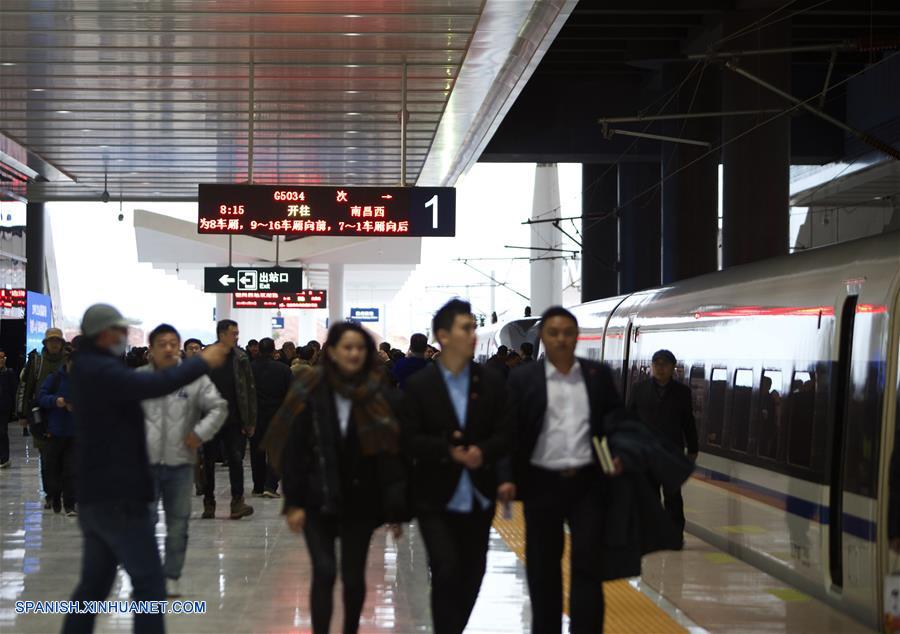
{"x": 511, "y": 334}
{"x": 793, "y": 363}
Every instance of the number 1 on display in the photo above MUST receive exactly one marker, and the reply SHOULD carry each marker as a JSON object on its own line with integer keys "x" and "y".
{"x": 434, "y": 212}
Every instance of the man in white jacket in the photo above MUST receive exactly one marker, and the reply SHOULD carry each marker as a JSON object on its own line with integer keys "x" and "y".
{"x": 176, "y": 425}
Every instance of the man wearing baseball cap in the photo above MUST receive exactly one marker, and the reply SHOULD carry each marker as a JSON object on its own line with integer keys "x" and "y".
{"x": 666, "y": 406}
{"x": 114, "y": 484}
{"x": 40, "y": 365}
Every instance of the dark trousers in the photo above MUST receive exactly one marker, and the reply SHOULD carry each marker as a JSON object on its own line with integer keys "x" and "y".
{"x": 4, "y": 440}
{"x": 233, "y": 441}
{"x": 264, "y": 478}
{"x": 118, "y": 533}
{"x": 457, "y": 545}
{"x": 321, "y": 532}
{"x": 59, "y": 456}
{"x": 553, "y": 500}
{"x": 43, "y": 466}
{"x": 674, "y": 504}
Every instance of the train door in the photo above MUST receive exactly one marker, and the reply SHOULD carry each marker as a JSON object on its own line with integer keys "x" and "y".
{"x": 626, "y": 355}
{"x": 840, "y": 384}
{"x": 888, "y": 560}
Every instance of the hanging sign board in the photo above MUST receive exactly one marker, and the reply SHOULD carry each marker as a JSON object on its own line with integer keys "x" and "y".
{"x": 326, "y": 211}
{"x": 230, "y": 279}
{"x": 300, "y": 299}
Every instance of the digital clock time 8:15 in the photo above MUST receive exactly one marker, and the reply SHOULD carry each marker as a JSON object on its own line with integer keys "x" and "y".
{"x": 231, "y": 210}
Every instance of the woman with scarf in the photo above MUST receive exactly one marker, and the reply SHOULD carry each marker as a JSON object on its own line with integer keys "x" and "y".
{"x": 335, "y": 439}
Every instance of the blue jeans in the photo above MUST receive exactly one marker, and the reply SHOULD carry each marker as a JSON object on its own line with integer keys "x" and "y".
{"x": 174, "y": 484}
{"x": 118, "y": 532}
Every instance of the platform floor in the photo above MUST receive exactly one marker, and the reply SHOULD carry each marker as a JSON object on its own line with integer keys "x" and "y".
{"x": 254, "y": 576}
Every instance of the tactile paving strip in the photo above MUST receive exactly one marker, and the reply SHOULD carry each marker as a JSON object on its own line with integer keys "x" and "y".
{"x": 627, "y": 610}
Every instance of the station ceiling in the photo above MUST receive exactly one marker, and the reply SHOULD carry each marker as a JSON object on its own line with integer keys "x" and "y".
{"x": 616, "y": 58}
{"x": 146, "y": 99}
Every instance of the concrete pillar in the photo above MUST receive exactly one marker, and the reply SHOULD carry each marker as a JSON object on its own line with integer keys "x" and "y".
{"x": 639, "y": 218}
{"x": 755, "y": 223}
{"x": 35, "y": 267}
{"x": 223, "y": 306}
{"x": 254, "y": 323}
{"x": 335, "y": 294}
{"x": 546, "y": 274}
{"x": 599, "y": 236}
{"x": 690, "y": 192}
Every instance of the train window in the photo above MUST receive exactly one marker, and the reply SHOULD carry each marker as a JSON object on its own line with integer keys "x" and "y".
{"x": 698, "y": 392}
{"x": 716, "y": 417}
{"x": 801, "y": 405}
{"x": 770, "y": 425}
{"x": 863, "y": 428}
{"x": 740, "y": 409}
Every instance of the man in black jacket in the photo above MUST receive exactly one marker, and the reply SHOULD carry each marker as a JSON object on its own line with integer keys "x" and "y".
{"x": 455, "y": 429}
{"x": 114, "y": 483}
{"x": 235, "y": 383}
{"x": 665, "y": 405}
{"x": 272, "y": 380}
{"x": 558, "y": 406}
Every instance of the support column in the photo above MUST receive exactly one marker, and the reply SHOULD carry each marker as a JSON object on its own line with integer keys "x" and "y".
{"x": 223, "y": 306}
{"x": 690, "y": 189}
{"x": 599, "y": 237}
{"x": 35, "y": 267}
{"x": 755, "y": 223}
{"x": 639, "y": 233}
{"x": 255, "y": 323}
{"x": 335, "y": 294}
{"x": 546, "y": 274}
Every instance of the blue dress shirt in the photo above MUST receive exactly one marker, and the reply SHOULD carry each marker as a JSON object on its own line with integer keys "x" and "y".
{"x": 458, "y": 389}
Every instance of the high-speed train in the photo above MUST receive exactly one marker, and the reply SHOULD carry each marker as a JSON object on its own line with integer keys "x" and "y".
{"x": 511, "y": 334}
{"x": 793, "y": 365}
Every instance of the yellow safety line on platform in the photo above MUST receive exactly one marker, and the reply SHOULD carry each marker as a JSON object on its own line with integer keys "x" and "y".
{"x": 627, "y": 610}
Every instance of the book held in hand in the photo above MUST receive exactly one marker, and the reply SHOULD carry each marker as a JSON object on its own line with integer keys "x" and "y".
{"x": 601, "y": 448}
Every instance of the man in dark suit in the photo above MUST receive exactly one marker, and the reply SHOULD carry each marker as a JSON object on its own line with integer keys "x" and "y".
{"x": 557, "y": 406}
{"x": 665, "y": 406}
{"x": 272, "y": 380}
{"x": 455, "y": 430}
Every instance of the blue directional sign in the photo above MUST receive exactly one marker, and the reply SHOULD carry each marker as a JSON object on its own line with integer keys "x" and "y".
{"x": 38, "y": 317}
{"x": 365, "y": 314}
{"x": 277, "y": 323}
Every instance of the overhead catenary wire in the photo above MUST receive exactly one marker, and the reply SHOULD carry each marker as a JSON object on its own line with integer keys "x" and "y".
{"x": 669, "y": 95}
{"x": 494, "y": 279}
{"x": 717, "y": 148}
{"x": 506, "y": 246}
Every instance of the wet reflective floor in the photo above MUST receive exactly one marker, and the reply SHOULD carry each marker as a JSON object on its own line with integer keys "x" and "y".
{"x": 254, "y": 575}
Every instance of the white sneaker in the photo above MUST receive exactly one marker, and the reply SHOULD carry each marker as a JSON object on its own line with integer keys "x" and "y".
{"x": 173, "y": 587}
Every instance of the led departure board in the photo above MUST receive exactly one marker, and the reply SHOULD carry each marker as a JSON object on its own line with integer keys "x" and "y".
{"x": 12, "y": 297}
{"x": 327, "y": 211}
{"x": 300, "y": 299}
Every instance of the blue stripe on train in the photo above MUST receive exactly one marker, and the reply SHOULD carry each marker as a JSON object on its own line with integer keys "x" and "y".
{"x": 853, "y": 525}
